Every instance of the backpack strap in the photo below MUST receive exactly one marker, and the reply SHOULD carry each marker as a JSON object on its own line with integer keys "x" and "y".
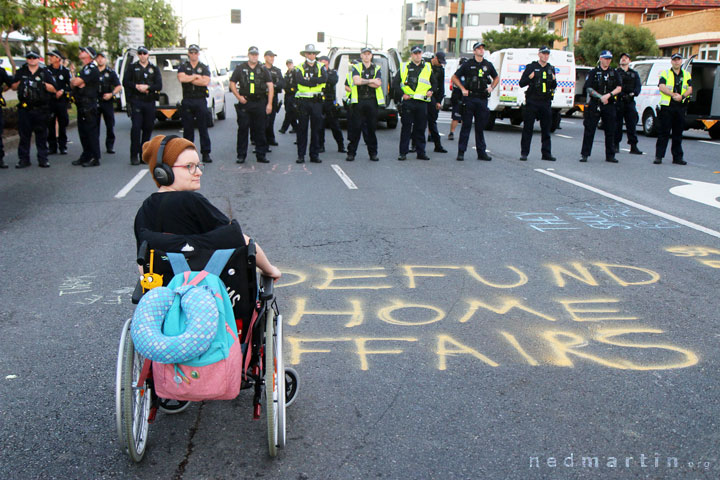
{"x": 178, "y": 262}
{"x": 218, "y": 261}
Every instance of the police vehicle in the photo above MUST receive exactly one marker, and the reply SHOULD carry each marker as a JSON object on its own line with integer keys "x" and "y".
{"x": 168, "y": 60}
{"x": 451, "y": 66}
{"x": 703, "y": 109}
{"x": 508, "y": 99}
{"x": 389, "y": 62}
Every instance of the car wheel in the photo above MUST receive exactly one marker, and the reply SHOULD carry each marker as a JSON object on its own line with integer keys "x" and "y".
{"x": 211, "y": 113}
{"x": 715, "y": 132}
{"x": 222, "y": 114}
{"x": 649, "y": 123}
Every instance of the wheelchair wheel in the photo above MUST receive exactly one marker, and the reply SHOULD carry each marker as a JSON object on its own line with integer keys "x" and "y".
{"x": 132, "y": 405}
{"x": 292, "y": 384}
{"x": 280, "y": 380}
{"x": 171, "y": 407}
{"x": 273, "y": 388}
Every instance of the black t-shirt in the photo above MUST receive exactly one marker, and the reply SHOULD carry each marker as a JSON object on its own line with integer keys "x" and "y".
{"x": 31, "y": 90}
{"x": 677, "y": 87}
{"x": 179, "y": 213}
{"x": 108, "y": 81}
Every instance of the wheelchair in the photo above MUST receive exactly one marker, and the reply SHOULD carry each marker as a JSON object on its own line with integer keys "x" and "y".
{"x": 259, "y": 326}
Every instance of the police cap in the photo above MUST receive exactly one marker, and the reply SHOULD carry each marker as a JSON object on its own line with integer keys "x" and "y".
{"x": 606, "y": 54}
{"x": 288, "y": 61}
{"x": 142, "y": 49}
{"x": 624, "y": 54}
{"x": 416, "y": 49}
{"x": 440, "y": 57}
{"x": 269, "y": 53}
{"x": 57, "y": 53}
{"x": 193, "y": 48}
{"x": 254, "y": 50}
{"x": 89, "y": 50}
{"x": 428, "y": 55}
{"x": 544, "y": 49}
{"x": 323, "y": 58}
{"x": 32, "y": 54}
{"x": 366, "y": 50}
{"x": 478, "y": 45}
{"x": 676, "y": 55}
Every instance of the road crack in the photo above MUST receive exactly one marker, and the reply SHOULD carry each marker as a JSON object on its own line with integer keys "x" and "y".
{"x": 180, "y": 471}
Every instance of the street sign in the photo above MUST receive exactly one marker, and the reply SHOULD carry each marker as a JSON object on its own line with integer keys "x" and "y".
{"x": 134, "y": 34}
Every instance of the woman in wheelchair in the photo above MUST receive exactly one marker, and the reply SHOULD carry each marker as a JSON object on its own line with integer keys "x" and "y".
{"x": 176, "y": 208}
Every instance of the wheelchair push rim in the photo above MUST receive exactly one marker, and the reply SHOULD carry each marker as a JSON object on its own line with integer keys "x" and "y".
{"x": 274, "y": 389}
{"x": 132, "y": 404}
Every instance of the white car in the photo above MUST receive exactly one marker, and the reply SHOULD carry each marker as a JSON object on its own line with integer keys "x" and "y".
{"x": 168, "y": 60}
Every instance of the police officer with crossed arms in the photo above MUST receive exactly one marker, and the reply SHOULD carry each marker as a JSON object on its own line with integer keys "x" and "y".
{"x": 414, "y": 83}
{"x": 626, "y": 110}
{"x": 310, "y": 77}
{"x": 59, "y": 104}
{"x": 539, "y": 77}
{"x": 675, "y": 87}
{"x": 86, "y": 88}
{"x": 194, "y": 76}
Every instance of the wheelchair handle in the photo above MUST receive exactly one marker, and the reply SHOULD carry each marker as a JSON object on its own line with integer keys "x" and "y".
{"x": 267, "y": 288}
{"x": 142, "y": 253}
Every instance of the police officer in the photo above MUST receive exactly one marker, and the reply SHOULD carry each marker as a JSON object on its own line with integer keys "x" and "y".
{"x": 366, "y": 95}
{"x": 290, "y": 119}
{"x": 602, "y": 84}
{"x": 329, "y": 108}
{"x": 481, "y": 79}
{"x": 86, "y": 90}
{"x": 456, "y": 104}
{"x": 35, "y": 86}
{"x": 631, "y": 87}
{"x": 5, "y": 83}
{"x": 142, "y": 81}
{"x": 252, "y": 85}
{"x": 539, "y": 77}
{"x": 675, "y": 87}
{"x": 310, "y": 77}
{"x": 58, "y": 104}
{"x": 413, "y": 81}
{"x": 278, "y": 85}
{"x": 194, "y": 76}
{"x": 109, "y": 87}
{"x": 437, "y": 62}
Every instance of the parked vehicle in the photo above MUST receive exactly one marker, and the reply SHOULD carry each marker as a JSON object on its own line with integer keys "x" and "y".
{"x": 450, "y": 68}
{"x": 508, "y": 99}
{"x": 703, "y": 111}
{"x": 580, "y": 101}
{"x": 389, "y": 62}
{"x": 5, "y": 63}
{"x": 237, "y": 60}
{"x": 168, "y": 60}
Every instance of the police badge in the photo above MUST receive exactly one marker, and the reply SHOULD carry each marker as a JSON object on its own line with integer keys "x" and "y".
{"x": 150, "y": 70}
{"x": 199, "y": 70}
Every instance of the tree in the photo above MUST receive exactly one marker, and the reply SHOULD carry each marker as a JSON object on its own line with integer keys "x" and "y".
{"x": 599, "y": 35}
{"x": 519, "y": 37}
{"x": 102, "y": 21}
{"x": 162, "y": 27}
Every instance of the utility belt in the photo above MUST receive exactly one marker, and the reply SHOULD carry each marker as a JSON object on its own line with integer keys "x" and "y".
{"x": 626, "y": 98}
{"x": 319, "y": 97}
{"x": 478, "y": 94}
{"x": 86, "y": 103}
{"x": 540, "y": 98}
{"x": 255, "y": 98}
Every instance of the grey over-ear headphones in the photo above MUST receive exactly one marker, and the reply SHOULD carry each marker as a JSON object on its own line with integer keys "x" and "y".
{"x": 163, "y": 172}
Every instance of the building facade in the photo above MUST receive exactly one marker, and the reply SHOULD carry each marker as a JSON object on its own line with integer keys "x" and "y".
{"x": 697, "y": 33}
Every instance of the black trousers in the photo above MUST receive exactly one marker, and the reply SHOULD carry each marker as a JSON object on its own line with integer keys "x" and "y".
{"x": 310, "y": 117}
{"x": 593, "y": 113}
{"x": 290, "y": 119}
{"x": 2, "y": 127}
{"x": 331, "y": 120}
{"x": 363, "y": 119}
{"x": 433, "y": 114}
{"x": 59, "y": 114}
{"x": 270, "y": 123}
{"x": 251, "y": 116}
{"x": 476, "y": 108}
{"x": 142, "y": 115}
{"x": 107, "y": 114}
{"x": 671, "y": 122}
{"x": 195, "y": 114}
{"x": 32, "y": 121}
{"x": 88, "y": 122}
{"x": 626, "y": 113}
{"x": 536, "y": 109}
{"x": 414, "y": 123}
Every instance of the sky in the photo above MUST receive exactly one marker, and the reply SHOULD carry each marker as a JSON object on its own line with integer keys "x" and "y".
{"x": 286, "y": 26}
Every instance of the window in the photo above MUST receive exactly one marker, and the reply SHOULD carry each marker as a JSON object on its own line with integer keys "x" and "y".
{"x": 615, "y": 17}
{"x": 710, "y": 51}
{"x": 442, "y": 23}
{"x": 472, "y": 20}
{"x": 643, "y": 70}
{"x": 430, "y": 28}
{"x": 512, "y": 19}
{"x": 651, "y": 16}
{"x": 469, "y": 45}
{"x": 564, "y": 29}
{"x": 668, "y": 14}
{"x": 686, "y": 51}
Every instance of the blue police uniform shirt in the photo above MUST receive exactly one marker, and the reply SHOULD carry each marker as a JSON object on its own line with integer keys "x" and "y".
{"x": 190, "y": 90}
{"x": 602, "y": 81}
{"x": 37, "y": 79}
{"x": 91, "y": 76}
{"x": 139, "y": 75}
{"x": 241, "y": 75}
{"x": 62, "y": 81}
{"x": 470, "y": 70}
{"x": 108, "y": 81}
{"x": 365, "y": 92}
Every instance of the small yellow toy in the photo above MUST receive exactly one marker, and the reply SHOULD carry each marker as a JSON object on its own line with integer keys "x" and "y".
{"x": 151, "y": 280}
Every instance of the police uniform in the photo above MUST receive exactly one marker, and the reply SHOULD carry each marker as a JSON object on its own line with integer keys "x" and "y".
{"x": 626, "y": 111}
{"x": 33, "y": 112}
{"x": 310, "y": 79}
{"x": 538, "y": 101}
{"x": 109, "y": 80}
{"x": 672, "y": 114}
{"x": 438, "y": 80}
{"x": 194, "y": 111}
{"x": 414, "y": 80}
{"x": 59, "y": 108}
{"x": 603, "y": 82}
{"x": 364, "y": 103}
{"x": 5, "y": 79}
{"x": 278, "y": 83}
{"x": 290, "y": 119}
{"x": 456, "y": 101}
{"x": 86, "y": 101}
{"x": 478, "y": 77}
{"x": 330, "y": 112}
{"x": 141, "y": 105}
{"x": 251, "y": 83}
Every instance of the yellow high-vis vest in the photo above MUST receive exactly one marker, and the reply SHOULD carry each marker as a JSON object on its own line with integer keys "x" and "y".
{"x": 304, "y": 91}
{"x": 669, "y": 77}
{"x": 354, "y": 93}
{"x": 423, "y": 86}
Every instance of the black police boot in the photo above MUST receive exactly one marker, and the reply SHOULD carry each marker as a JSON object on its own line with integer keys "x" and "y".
{"x": 273, "y": 143}
{"x": 439, "y": 149}
{"x": 63, "y": 151}
{"x": 634, "y": 150}
{"x": 523, "y": 158}
{"x": 262, "y": 159}
{"x": 134, "y": 160}
{"x": 341, "y": 148}
{"x": 240, "y": 159}
{"x": 549, "y": 158}
{"x": 423, "y": 156}
{"x": 657, "y": 161}
{"x": 374, "y": 157}
{"x": 484, "y": 156}
{"x": 300, "y": 159}
{"x": 460, "y": 156}
{"x": 44, "y": 164}
{"x": 282, "y": 131}
{"x": 611, "y": 160}
{"x": 52, "y": 151}
{"x": 92, "y": 163}
{"x": 80, "y": 161}
{"x": 322, "y": 149}
{"x": 206, "y": 158}
{"x": 110, "y": 150}
{"x": 2, "y": 163}
{"x": 412, "y": 149}
{"x": 22, "y": 165}
{"x": 679, "y": 161}
{"x": 583, "y": 158}
{"x": 350, "y": 157}
{"x": 402, "y": 157}
{"x": 315, "y": 160}
{"x": 451, "y": 136}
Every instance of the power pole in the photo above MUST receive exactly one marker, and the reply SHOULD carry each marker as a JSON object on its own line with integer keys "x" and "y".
{"x": 437, "y": 7}
{"x": 458, "y": 29}
{"x": 571, "y": 26}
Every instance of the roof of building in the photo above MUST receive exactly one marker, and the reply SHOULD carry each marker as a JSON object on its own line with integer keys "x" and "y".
{"x": 592, "y": 6}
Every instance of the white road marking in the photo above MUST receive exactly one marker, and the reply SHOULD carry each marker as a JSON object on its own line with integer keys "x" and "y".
{"x": 131, "y": 183}
{"x": 649, "y": 210}
{"x": 343, "y": 176}
{"x": 702, "y": 192}
{"x": 711, "y": 143}
{"x": 11, "y": 377}
{"x": 563, "y": 136}
{"x": 568, "y": 121}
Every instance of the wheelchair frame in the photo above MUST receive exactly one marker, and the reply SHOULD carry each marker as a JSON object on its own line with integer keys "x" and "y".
{"x": 136, "y": 403}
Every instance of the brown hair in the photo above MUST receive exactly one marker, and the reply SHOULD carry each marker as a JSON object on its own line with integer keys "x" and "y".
{"x": 173, "y": 149}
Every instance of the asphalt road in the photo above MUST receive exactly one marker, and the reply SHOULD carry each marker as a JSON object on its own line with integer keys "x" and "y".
{"x": 449, "y": 320}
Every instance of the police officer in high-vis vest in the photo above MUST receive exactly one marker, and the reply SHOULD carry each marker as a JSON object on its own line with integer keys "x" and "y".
{"x": 86, "y": 88}
{"x": 414, "y": 83}
{"x": 366, "y": 95}
{"x": 602, "y": 84}
{"x": 481, "y": 79}
{"x": 310, "y": 77}
{"x": 59, "y": 104}
{"x": 35, "y": 86}
{"x": 194, "y": 76}
{"x": 626, "y": 111}
{"x": 675, "y": 89}
{"x": 330, "y": 108}
{"x": 109, "y": 87}
{"x": 539, "y": 77}
{"x": 142, "y": 82}
{"x": 252, "y": 85}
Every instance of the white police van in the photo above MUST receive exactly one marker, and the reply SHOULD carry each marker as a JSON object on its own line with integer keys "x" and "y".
{"x": 703, "y": 110}
{"x": 168, "y": 60}
{"x": 508, "y": 99}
